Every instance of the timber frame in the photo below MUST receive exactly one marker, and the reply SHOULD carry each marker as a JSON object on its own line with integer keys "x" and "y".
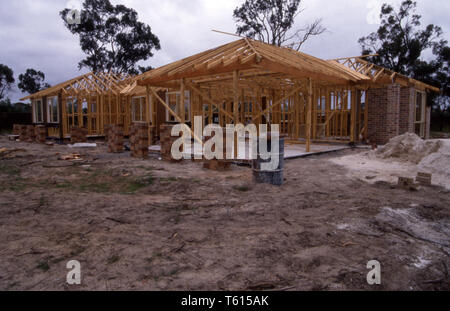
{"x": 92, "y": 101}
{"x": 247, "y": 81}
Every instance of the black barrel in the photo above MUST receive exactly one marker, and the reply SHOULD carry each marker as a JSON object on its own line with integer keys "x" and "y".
{"x": 274, "y": 177}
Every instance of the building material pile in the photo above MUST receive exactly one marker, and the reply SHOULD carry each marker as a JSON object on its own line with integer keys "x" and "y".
{"x": 22, "y": 132}
{"x": 41, "y": 133}
{"x": 215, "y": 164}
{"x": 408, "y": 147}
{"x": 115, "y": 139}
{"x": 78, "y": 135}
{"x": 139, "y": 140}
{"x": 31, "y": 134}
{"x": 107, "y": 129}
{"x": 166, "y": 142}
{"x": 17, "y": 128}
{"x": 424, "y": 179}
{"x": 404, "y": 156}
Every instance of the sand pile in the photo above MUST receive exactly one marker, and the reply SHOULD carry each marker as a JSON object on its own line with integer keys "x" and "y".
{"x": 438, "y": 162}
{"x": 408, "y": 147}
{"x": 403, "y": 156}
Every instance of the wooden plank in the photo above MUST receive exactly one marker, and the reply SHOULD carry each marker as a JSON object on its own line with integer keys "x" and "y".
{"x": 278, "y": 102}
{"x": 309, "y": 116}
{"x": 194, "y": 88}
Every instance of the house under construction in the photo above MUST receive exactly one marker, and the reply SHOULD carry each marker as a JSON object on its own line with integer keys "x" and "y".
{"x": 247, "y": 81}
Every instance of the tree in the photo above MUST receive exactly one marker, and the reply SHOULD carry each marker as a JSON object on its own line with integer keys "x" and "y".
{"x": 144, "y": 69}
{"x": 32, "y": 81}
{"x": 271, "y": 21}
{"x": 401, "y": 43}
{"x": 6, "y": 79}
{"x": 112, "y": 37}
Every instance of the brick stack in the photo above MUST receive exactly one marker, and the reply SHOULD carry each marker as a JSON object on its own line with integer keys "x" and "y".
{"x": 167, "y": 140}
{"x": 139, "y": 138}
{"x": 424, "y": 179}
{"x": 218, "y": 165}
{"x": 115, "y": 139}
{"x": 406, "y": 183}
{"x": 17, "y": 128}
{"x": 107, "y": 129}
{"x": 41, "y": 133}
{"x": 23, "y": 133}
{"x": 31, "y": 134}
{"x": 78, "y": 135}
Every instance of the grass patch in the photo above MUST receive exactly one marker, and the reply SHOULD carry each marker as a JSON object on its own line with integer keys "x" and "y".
{"x": 113, "y": 259}
{"x": 169, "y": 179}
{"x": 242, "y": 188}
{"x": 9, "y": 170}
{"x": 95, "y": 187}
{"x": 133, "y": 186}
{"x": 44, "y": 266}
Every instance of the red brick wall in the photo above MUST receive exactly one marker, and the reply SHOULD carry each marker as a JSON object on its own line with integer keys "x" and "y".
{"x": 428, "y": 123}
{"x": 406, "y": 122}
{"x": 377, "y": 105}
{"x": 391, "y": 113}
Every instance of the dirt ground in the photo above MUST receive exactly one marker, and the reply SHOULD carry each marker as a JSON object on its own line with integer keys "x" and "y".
{"x": 151, "y": 225}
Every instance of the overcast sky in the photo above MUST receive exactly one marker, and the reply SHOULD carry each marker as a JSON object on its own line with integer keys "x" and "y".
{"x": 32, "y": 35}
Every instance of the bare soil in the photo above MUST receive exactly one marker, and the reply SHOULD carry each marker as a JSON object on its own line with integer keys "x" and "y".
{"x": 150, "y": 225}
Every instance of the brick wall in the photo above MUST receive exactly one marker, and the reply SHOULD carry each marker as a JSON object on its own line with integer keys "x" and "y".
{"x": 428, "y": 123}
{"x": 406, "y": 122}
{"x": 377, "y": 105}
{"x": 389, "y": 110}
{"x": 393, "y": 111}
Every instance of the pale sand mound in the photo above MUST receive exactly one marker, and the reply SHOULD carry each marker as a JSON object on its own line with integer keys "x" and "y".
{"x": 408, "y": 147}
{"x": 438, "y": 162}
{"x": 403, "y": 156}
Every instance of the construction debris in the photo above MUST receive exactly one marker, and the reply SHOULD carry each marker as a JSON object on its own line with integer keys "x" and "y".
{"x": 71, "y": 157}
{"x": 406, "y": 183}
{"x": 83, "y": 145}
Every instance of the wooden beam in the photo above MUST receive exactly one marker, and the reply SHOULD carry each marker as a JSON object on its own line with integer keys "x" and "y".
{"x": 194, "y": 88}
{"x": 277, "y": 103}
{"x": 177, "y": 117}
{"x": 182, "y": 100}
{"x": 353, "y": 116}
{"x": 309, "y": 116}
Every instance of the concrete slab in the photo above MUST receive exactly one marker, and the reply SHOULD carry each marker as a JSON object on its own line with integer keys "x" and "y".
{"x": 293, "y": 151}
